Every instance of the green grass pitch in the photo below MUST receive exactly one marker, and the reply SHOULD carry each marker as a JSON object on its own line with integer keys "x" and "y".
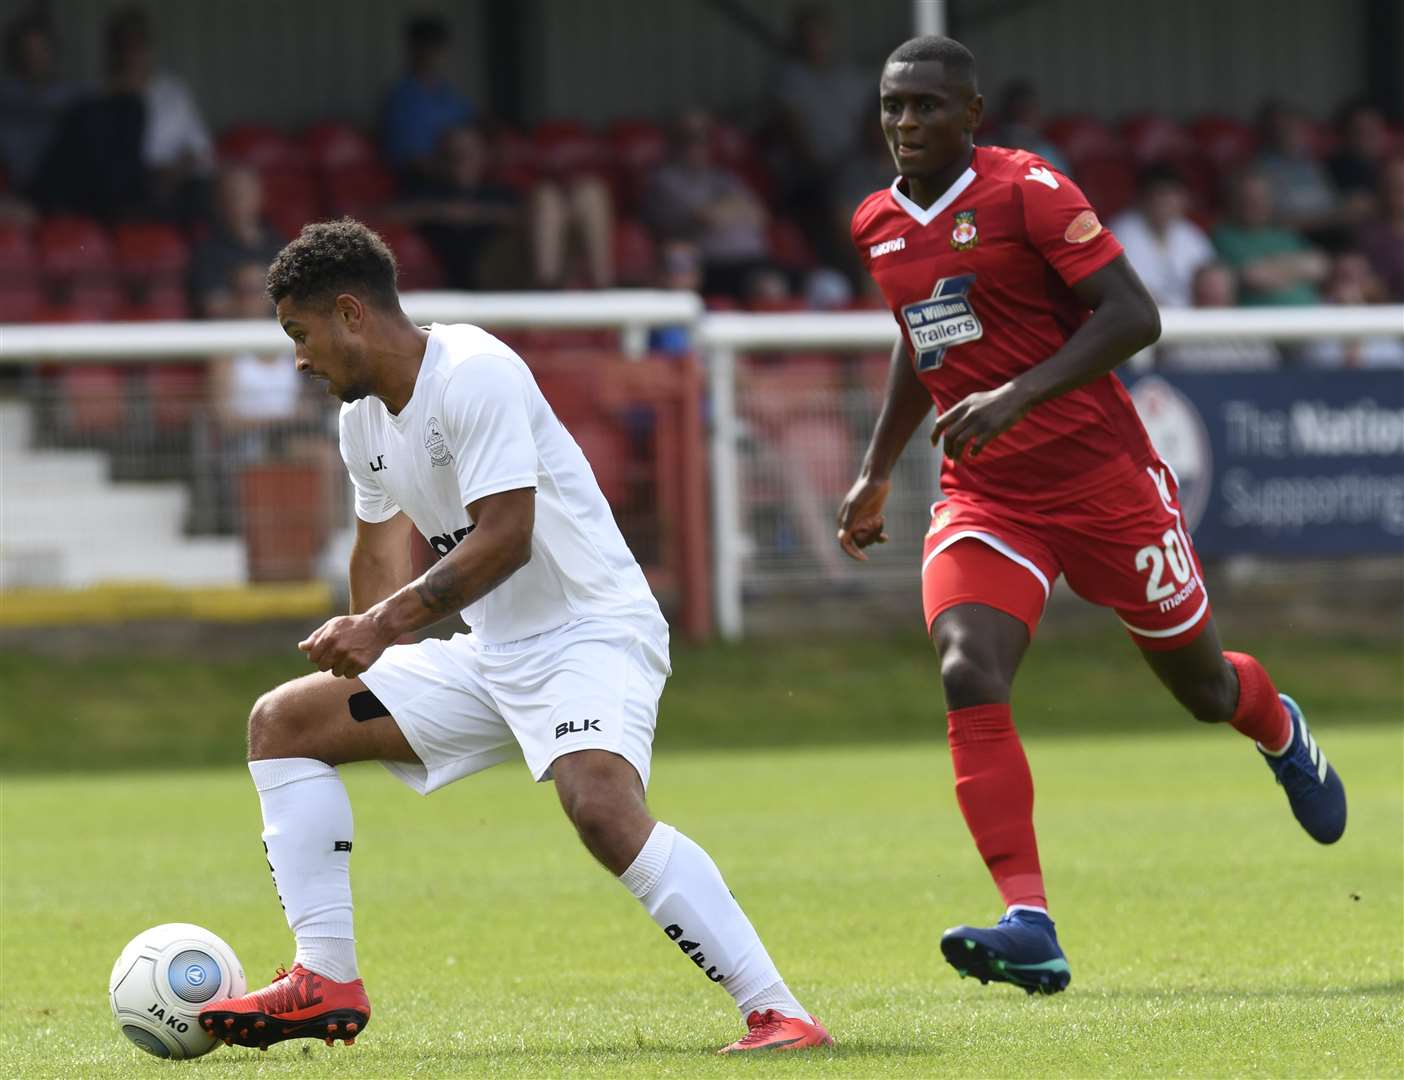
{"x": 1207, "y": 934}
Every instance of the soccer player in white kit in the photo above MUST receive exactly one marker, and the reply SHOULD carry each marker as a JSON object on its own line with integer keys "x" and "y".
{"x": 444, "y": 430}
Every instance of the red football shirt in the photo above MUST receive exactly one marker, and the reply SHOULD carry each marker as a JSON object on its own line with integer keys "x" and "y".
{"x": 980, "y": 283}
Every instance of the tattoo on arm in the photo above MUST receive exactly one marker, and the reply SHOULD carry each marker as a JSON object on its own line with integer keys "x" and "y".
{"x": 438, "y": 588}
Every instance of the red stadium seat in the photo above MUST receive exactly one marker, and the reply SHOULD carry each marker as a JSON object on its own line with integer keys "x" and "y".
{"x": 92, "y": 399}
{"x": 72, "y": 246}
{"x": 265, "y": 148}
{"x": 1109, "y": 184}
{"x": 291, "y": 200}
{"x": 419, "y": 269}
{"x": 638, "y": 145}
{"x": 336, "y": 145}
{"x": 1226, "y": 142}
{"x": 789, "y": 247}
{"x": 18, "y": 260}
{"x": 359, "y": 191}
{"x": 154, "y": 305}
{"x": 151, "y": 252}
{"x": 1082, "y": 137}
{"x": 513, "y": 156}
{"x": 565, "y": 148}
{"x": 20, "y": 302}
{"x": 1152, "y": 137}
{"x": 176, "y": 392}
{"x": 635, "y": 255}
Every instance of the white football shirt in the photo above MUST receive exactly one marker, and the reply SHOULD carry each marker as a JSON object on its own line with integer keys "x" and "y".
{"x": 476, "y": 424}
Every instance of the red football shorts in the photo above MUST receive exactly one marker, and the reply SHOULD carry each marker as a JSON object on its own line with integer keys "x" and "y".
{"x": 1124, "y": 547}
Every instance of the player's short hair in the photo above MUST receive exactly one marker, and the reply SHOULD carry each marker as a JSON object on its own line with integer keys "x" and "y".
{"x": 332, "y": 257}
{"x": 953, "y": 56}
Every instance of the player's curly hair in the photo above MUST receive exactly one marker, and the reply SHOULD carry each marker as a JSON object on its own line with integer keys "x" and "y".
{"x": 951, "y": 53}
{"x": 331, "y": 257}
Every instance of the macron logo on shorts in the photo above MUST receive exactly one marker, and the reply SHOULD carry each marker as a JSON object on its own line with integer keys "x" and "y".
{"x": 887, "y": 247}
{"x": 576, "y": 727}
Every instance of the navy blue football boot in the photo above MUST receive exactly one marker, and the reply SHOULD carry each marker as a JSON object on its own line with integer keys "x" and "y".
{"x": 1022, "y": 948}
{"x": 1314, "y": 791}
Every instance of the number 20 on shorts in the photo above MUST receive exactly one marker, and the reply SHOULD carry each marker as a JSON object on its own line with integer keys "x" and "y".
{"x": 1150, "y": 558}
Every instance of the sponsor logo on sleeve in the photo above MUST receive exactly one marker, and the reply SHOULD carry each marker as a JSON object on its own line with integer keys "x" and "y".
{"x": 944, "y": 320}
{"x": 1039, "y": 174}
{"x": 1082, "y": 228}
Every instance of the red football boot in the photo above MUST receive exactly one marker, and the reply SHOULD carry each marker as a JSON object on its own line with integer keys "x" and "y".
{"x": 772, "y": 1031}
{"x": 298, "y": 1004}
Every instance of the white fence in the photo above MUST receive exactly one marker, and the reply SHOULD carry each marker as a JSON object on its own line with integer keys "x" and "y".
{"x": 721, "y": 338}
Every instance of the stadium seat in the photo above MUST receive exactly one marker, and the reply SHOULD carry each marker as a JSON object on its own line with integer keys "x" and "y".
{"x": 18, "y": 260}
{"x": 265, "y": 148}
{"x": 1152, "y": 137}
{"x": 513, "y": 155}
{"x": 789, "y": 247}
{"x": 71, "y": 247}
{"x": 151, "y": 252}
{"x": 419, "y": 269}
{"x": 336, "y": 145}
{"x": 1082, "y": 137}
{"x": 20, "y": 302}
{"x": 635, "y": 256}
{"x": 565, "y": 148}
{"x": 154, "y": 305}
{"x": 1226, "y": 142}
{"x": 291, "y": 200}
{"x": 636, "y": 148}
{"x": 91, "y": 399}
{"x": 359, "y": 191}
{"x": 1109, "y": 184}
{"x": 175, "y": 393}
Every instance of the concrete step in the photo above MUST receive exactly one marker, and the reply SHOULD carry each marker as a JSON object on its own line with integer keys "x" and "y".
{"x": 206, "y": 561}
{"x": 16, "y": 426}
{"x": 155, "y": 512}
{"x": 57, "y": 474}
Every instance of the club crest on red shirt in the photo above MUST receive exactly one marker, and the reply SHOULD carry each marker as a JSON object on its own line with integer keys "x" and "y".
{"x": 963, "y": 236}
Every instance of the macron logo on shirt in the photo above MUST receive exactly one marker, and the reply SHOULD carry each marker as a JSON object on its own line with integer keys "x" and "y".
{"x": 1043, "y": 176}
{"x": 886, "y": 247}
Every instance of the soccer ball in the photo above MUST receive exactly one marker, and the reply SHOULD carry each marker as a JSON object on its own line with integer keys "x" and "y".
{"x": 162, "y": 979}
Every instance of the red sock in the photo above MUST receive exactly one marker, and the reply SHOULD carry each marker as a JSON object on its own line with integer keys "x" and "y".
{"x": 1260, "y": 713}
{"x": 995, "y": 792}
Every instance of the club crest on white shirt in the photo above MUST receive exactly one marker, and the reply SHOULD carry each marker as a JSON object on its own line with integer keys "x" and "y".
{"x": 439, "y": 453}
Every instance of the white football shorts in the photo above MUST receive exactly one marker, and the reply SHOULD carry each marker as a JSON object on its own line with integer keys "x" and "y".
{"x": 464, "y": 705}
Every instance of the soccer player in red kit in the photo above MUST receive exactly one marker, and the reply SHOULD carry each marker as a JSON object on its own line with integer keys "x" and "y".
{"x": 1015, "y": 304}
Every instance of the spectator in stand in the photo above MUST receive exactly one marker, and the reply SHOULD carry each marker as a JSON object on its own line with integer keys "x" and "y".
{"x": 1355, "y": 167}
{"x": 1301, "y": 188}
{"x": 1021, "y": 125}
{"x": 1215, "y": 286}
{"x": 1161, "y": 242}
{"x": 424, "y": 104}
{"x": 263, "y": 410}
{"x": 33, "y": 97}
{"x": 691, "y": 198}
{"x": 1381, "y": 240}
{"x": 463, "y": 216}
{"x": 239, "y": 236}
{"x": 1275, "y": 265}
{"x": 680, "y": 267}
{"x": 821, "y": 103}
{"x": 140, "y": 148}
{"x": 1353, "y": 281}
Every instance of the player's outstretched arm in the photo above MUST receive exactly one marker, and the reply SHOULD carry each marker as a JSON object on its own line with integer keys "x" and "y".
{"x": 904, "y": 406}
{"x": 1124, "y": 321}
{"x": 498, "y": 546}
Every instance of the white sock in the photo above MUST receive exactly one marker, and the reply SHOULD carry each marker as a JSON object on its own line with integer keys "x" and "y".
{"x": 307, "y": 833}
{"x": 680, "y": 886}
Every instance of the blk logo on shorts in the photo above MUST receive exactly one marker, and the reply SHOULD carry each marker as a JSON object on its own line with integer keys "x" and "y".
{"x": 576, "y": 727}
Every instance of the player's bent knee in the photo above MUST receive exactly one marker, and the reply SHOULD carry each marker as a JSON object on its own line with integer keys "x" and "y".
{"x": 278, "y": 727}
{"x": 968, "y": 680}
